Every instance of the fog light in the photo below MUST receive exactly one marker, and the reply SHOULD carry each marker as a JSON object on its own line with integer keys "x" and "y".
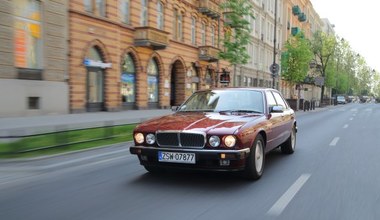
{"x": 224, "y": 162}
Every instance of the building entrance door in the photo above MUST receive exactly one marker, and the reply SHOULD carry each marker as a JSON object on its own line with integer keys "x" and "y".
{"x": 95, "y": 89}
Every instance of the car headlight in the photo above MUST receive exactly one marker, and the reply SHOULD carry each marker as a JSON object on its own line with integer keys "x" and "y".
{"x": 214, "y": 141}
{"x": 139, "y": 138}
{"x": 230, "y": 140}
{"x": 150, "y": 139}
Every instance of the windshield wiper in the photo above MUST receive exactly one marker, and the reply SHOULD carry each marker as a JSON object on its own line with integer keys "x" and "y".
{"x": 240, "y": 110}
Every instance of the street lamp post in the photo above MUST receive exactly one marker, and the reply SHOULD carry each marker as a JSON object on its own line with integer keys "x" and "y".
{"x": 274, "y": 67}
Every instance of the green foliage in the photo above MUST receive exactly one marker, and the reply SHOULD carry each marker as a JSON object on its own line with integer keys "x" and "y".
{"x": 295, "y": 61}
{"x": 66, "y": 141}
{"x": 237, "y": 37}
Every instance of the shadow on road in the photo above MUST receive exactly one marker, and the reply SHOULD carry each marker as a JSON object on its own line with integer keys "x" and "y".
{"x": 214, "y": 181}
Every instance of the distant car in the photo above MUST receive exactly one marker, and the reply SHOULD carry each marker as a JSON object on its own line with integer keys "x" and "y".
{"x": 229, "y": 129}
{"x": 341, "y": 100}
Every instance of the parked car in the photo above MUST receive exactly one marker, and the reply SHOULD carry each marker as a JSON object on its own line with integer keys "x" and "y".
{"x": 227, "y": 129}
{"x": 341, "y": 100}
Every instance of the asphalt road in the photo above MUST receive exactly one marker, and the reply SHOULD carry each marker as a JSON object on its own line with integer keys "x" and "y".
{"x": 334, "y": 174}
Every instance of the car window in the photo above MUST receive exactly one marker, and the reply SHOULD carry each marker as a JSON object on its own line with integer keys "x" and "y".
{"x": 279, "y": 100}
{"x": 270, "y": 99}
{"x": 219, "y": 100}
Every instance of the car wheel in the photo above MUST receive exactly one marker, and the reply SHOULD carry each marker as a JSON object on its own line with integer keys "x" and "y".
{"x": 289, "y": 146}
{"x": 255, "y": 162}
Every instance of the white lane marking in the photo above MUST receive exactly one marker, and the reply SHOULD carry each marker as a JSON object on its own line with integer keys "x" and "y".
{"x": 334, "y": 141}
{"x": 345, "y": 126}
{"x": 287, "y": 197}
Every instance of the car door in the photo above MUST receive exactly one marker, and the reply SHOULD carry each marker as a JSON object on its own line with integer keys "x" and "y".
{"x": 287, "y": 117}
{"x": 275, "y": 121}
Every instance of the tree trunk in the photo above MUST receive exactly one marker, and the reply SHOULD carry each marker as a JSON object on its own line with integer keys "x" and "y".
{"x": 322, "y": 95}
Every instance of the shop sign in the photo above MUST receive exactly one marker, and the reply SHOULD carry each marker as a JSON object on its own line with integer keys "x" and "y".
{"x": 93, "y": 63}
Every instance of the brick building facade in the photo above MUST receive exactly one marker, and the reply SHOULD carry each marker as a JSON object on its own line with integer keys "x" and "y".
{"x": 139, "y": 54}
{"x": 33, "y": 57}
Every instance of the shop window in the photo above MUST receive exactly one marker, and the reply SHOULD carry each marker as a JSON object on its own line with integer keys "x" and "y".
{"x": 128, "y": 80}
{"x": 152, "y": 81}
{"x": 28, "y": 34}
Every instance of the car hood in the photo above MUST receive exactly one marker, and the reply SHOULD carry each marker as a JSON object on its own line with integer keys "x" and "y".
{"x": 198, "y": 121}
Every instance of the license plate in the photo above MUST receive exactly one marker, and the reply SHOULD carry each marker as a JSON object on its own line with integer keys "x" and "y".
{"x": 174, "y": 157}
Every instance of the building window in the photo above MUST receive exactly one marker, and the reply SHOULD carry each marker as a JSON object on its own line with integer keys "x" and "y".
{"x": 33, "y": 102}
{"x": 97, "y": 7}
{"x": 128, "y": 80}
{"x": 177, "y": 25}
{"x": 152, "y": 81}
{"x": 160, "y": 15}
{"x": 100, "y": 8}
{"x": 88, "y": 5}
{"x": 28, "y": 34}
{"x": 203, "y": 34}
{"x": 213, "y": 36}
{"x": 194, "y": 80}
{"x": 208, "y": 79}
{"x": 193, "y": 30}
{"x": 144, "y": 13}
{"x": 125, "y": 11}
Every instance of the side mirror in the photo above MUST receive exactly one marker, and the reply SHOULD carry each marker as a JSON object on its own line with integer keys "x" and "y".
{"x": 277, "y": 109}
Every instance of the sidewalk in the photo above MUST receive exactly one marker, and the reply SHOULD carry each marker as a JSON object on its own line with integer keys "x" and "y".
{"x": 15, "y": 126}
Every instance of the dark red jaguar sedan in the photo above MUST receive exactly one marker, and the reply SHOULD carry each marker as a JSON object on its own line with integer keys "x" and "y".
{"x": 228, "y": 129}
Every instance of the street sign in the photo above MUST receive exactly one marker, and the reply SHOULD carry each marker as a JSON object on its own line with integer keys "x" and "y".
{"x": 274, "y": 68}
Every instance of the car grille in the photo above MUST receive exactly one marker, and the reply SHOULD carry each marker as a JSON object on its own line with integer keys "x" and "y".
{"x": 181, "y": 139}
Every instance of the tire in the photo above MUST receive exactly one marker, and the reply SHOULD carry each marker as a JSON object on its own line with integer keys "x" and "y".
{"x": 289, "y": 146}
{"x": 254, "y": 166}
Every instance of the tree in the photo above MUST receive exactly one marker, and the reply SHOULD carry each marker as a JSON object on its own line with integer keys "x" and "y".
{"x": 296, "y": 59}
{"x": 323, "y": 47}
{"x": 237, "y": 35}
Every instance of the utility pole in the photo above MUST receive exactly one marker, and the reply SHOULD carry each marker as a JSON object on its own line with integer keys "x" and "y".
{"x": 274, "y": 67}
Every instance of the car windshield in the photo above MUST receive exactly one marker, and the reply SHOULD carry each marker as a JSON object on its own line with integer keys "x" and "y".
{"x": 248, "y": 101}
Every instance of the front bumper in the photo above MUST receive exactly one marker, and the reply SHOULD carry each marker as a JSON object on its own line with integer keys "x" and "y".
{"x": 206, "y": 159}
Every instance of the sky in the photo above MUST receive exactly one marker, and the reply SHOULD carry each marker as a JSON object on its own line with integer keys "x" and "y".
{"x": 358, "y": 22}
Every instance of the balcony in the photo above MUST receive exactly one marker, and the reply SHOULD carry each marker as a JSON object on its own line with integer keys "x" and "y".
{"x": 302, "y": 17}
{"x": 296, "y": 10}
{"x": 151, "y": 37}
{"x": 295, "y": 30}
{"x": 208, "y": 53}
{"x": 209, "y": 8}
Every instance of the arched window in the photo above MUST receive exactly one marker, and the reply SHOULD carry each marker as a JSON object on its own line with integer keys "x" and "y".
{"x": 128, "y": 80}
{"x": 152, "y": 81}
{"x": 95, "y": 80}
